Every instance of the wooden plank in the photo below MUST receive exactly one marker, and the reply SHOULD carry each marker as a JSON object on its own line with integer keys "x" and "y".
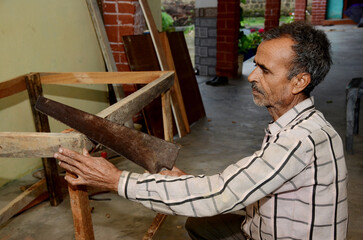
{"x": 22, "y": 200}
{"x": 180, "y": 116}
{"x": 154, "y": 35}
{"x": 154, "y": 227}
{"x": 132, "y": 104}
{"x": 101, "y": 35}
{"x": 188, "y": 83}
{"x": 12, "y": 86}
{"x": 34, "y": 88}
{"x": 82, "y": 219}
{"x": 162, "y": 61}
{"x": 39, "y": 145}
{"x": 100, "y": 77}
{"x": 167, "y": 117}
{"x": 142, "y": 57}
{"x": 45, "y": 144}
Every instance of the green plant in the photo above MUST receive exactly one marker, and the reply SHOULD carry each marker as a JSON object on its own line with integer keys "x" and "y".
{"x": 255, "y": 39}
{"x": 250, "y": 41}
{"x": 166, "y": 20}
{"x": 188, "y": 29}
{"x": 243, "y": 43}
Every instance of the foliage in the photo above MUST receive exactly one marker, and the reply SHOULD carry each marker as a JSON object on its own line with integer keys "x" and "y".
{"x": 166, "y": 20}
{"x": 188, "y": 29}
{"x": 250, "y": 41}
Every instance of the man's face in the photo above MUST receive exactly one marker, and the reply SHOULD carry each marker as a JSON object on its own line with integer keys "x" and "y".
{"x": 270, "y": 86}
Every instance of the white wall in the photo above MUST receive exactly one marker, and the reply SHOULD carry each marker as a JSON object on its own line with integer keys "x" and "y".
{"x": 46, "y": 36}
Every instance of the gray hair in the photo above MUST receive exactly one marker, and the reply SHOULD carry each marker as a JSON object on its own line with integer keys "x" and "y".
{"x": 312, "y": 51}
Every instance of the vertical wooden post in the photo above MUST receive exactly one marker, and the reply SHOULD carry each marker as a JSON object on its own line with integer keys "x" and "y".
{"x": 168, "y": 135}
{"x": 82, "y": 219}
{"x": 34, "y": 88}
{"x": 167, "y": 116}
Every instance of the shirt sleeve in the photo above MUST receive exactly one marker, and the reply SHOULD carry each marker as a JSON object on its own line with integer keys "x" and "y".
{"x": 239, "y": 185}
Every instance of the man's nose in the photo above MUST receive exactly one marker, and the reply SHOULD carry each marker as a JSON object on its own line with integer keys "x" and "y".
{"x": 252, "y": 77}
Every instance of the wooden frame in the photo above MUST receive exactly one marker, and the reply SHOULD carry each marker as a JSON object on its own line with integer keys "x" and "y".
{"x": 20, "y": 144}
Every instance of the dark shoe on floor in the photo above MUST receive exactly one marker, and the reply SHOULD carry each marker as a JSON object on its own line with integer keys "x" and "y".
{"x": 218, "y": 81}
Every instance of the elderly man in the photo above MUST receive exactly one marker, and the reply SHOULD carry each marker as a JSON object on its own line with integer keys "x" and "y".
{"x": 294, "y": 187}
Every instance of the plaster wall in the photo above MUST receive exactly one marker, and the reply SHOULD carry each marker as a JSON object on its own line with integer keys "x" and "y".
{"x": 46, "y": 36}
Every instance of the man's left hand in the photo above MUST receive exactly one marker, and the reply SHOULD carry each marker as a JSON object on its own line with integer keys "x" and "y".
{"x": 90, "y": 171}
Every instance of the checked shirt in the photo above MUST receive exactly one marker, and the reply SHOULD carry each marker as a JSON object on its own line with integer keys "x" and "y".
{"x": 294, "y": 187}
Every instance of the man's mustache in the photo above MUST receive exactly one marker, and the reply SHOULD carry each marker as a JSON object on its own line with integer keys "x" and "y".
{"x": 254, "y": 87}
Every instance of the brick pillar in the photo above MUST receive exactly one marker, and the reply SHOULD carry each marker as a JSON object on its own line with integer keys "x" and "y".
{"x": 122, "y": 18}
{"x": 206, "y": 40}
{"x": 227, "y": 37}
{"x": 272, "y": 14}
{"x": 300, "y": 8}
{"x": 318, "y": 11}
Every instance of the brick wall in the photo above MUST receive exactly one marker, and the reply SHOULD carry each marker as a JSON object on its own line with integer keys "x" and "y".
{"x": 300, "y": 8}
{"x": 227, "y": 37}
{"x": 122, "y": 18}
{"x": 318, "y": 11}
{"x": 272, "y": 14}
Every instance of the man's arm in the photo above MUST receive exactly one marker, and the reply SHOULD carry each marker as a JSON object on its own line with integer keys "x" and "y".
{"x": 95, "y": 171}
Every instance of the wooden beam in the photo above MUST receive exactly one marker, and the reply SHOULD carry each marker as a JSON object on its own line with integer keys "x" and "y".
{"x": 12, "y": 86}
{"x": 101, "y": 77}
{"x": 82, "y": 219}
{"x": 133, "y": 103}
{"x": 13, "y": 144}
{"x": 167, "y": 116}
{"x": 39, "y": 145}
{"x": 22, "y": 200}
{"x": 35, "y": 90}
{"x": 176, "y": 95}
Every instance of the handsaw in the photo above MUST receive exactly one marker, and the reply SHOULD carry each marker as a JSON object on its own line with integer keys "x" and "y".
{"x": 149, "y": 152}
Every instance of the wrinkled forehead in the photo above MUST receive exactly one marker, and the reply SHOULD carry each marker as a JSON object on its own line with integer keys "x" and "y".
{"x": 275, "y": 52}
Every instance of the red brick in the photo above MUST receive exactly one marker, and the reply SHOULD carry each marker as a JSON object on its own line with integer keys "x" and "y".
{"x": 221, "y": 38}
{"x": 109, "y": 7}
{"x": 232, "y": 23}
{"x": 123, "y": 67}
{"x": 126, "y": 8}
{"x": 231, "y": 8}
{"x": 221, "y": 24}
{"x": 123, "y": 58}
{"x": 221, "y": 7}
{"x": 110, "y": 19}
{"x": 129, "y": 88}
{"x": 117, "y": 47}
{"x": 116, "y": 56}
{"x": 232, "y": 38}
{"x": 126, "y": 30}
{"x": 126, "y": 19}
{"x": 226, "y": 32}
{"x": 225, "y": 47}
{"x": 112, "y": 33}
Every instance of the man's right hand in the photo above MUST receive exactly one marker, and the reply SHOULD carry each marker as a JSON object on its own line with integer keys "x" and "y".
{"x": 176, "y": 172}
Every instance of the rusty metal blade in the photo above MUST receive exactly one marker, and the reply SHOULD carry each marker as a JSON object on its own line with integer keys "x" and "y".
{"x": 149, "y": 152}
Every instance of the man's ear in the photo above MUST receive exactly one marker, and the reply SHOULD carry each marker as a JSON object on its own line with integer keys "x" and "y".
{"x": 300, "y": 82}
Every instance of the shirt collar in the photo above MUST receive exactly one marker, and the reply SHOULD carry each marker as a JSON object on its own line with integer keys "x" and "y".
{"x": 290, "y": 115}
